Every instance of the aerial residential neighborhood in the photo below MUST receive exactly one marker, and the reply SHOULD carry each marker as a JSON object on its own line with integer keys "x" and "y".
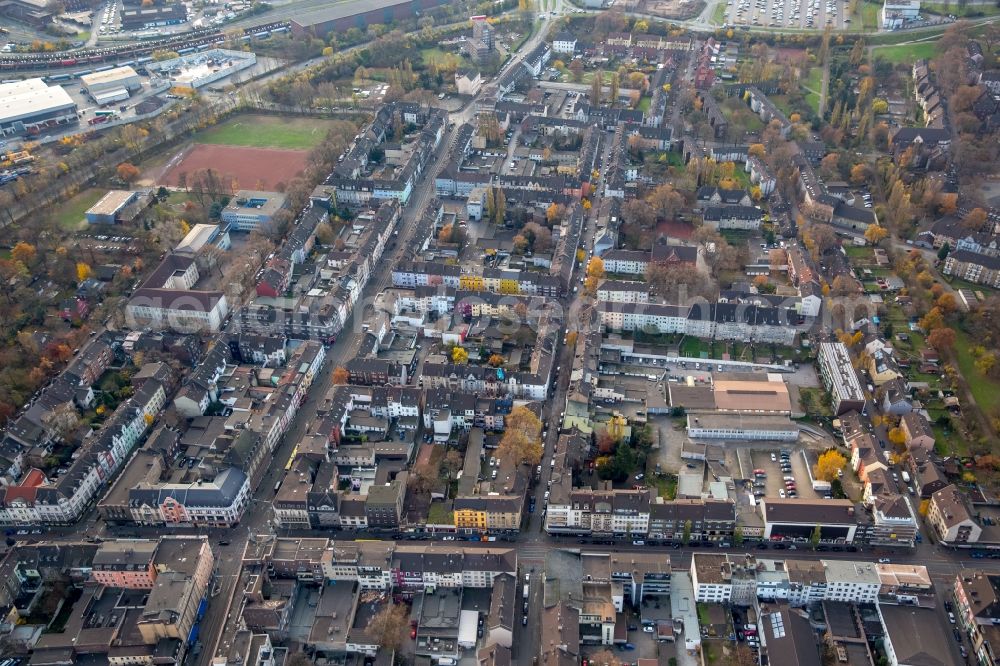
{"x": 549, "y": 332}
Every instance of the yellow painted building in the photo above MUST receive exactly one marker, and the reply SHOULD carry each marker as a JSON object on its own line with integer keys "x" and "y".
{"x": 471, "y": 282}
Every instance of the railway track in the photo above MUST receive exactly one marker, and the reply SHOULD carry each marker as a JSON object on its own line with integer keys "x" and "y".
{"x": 68, "y": 65}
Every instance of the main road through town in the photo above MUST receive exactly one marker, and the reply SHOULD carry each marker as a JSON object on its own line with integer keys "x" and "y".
{"x": 256, "y": 520}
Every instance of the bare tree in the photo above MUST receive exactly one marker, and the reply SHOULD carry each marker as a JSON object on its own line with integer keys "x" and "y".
{"x": 62, "y": 421}
{"x": 388, "y": 627}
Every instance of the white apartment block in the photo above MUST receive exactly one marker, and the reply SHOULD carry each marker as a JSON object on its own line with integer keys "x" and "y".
{"x": 722, "y": 578}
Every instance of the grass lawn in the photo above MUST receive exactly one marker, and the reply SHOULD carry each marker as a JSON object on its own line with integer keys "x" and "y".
{"x": 675, "y": 159}
{"x": 812, "y": 99}
{"x": 440, "y": 514}
{"x": 905, "y": 52}
{"x": 985, "y": 390}
{"x": 868, "y": 13}
{"x": 440, "y": 58}
{"x": 959, "y": 283}
{"x": 644, "y": 104}
{"x": 588, "y": 77}
{"x": 178, "y": 198}
{"x": 70, "y": 214}
{"x": 860, "y": 256}
{"x": 266, "y": 132}
{"x": 813, "y": 87}
{"x": 666, "y": 486}
{"x": 694, "y": 348}
{"x": 742, "y": 178}
{"x": 742, "y": 116}
{"x": 735, "y": 236}
{"x": 781, "y": 101}
{"x": 719, "y": 14}
{"x": 815, "y": 79}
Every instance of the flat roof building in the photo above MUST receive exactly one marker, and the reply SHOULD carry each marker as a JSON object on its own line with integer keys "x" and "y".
{"x": 322, "y": 20}
{"x": 137, "y": 18}
{"x": 251, "y": 209}
{"x": 764, "y": 395}
{"x": 195, "y": 70}
{"x": 840, "y": 378}
{"x": 112, "y": 85}
{"x": 742, "y": 427}
{"x": 30, "y": 106}
{"x": 117, "y": 206}
{"x": 798, "y": 518}
{"x": 202, "y": 235}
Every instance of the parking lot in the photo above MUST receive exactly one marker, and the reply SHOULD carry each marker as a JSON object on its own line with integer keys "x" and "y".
{"x": 641, "y": 643}
{"x": 800, "y": 14}
{"x": 775, "y": 484}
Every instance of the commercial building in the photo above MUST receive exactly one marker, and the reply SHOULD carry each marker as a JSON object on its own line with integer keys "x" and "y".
{"x": 895, "y": 13}
{"x": 797, "y": 519}
{"x": 840, "y": 378}
{"x": 31, "y": 106}
{"x": 357, "y": 14}
{"x": 789, "y": 635}
{"x": 112, "y": 85}
{"x": 135, "y": 564}
{"x": 742, "y": 427}
{"x": 138, "y": 18}
{"x": 252, "y": 209}
{"x": 914, "y": 636}
{"x": 32, "y": 12}
{"x": 196, "y": 70}
{"x": 216, "y": 503}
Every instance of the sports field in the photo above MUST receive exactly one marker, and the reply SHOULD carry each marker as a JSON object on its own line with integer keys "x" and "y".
{"x": 252, "y": 168}
{"x": 265, "y": 132}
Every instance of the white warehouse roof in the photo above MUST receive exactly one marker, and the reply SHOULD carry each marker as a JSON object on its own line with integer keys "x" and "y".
{"x": 23, "y": 100}
{"x": 110, "y": 76}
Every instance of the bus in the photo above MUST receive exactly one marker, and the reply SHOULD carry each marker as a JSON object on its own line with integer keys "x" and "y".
{"x": 109, "y": 114}
{"x": 291, "y": 458}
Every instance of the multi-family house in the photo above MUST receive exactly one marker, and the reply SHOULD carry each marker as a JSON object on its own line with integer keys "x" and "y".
{"x": 950, "y": 515}
{"x": 977, "y": 601}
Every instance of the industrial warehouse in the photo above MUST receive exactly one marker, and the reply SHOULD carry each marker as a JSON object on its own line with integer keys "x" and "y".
{"x": 113, "y": 85}
{"x": 31, "y": 105}
{"x": 200, "y": 69}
